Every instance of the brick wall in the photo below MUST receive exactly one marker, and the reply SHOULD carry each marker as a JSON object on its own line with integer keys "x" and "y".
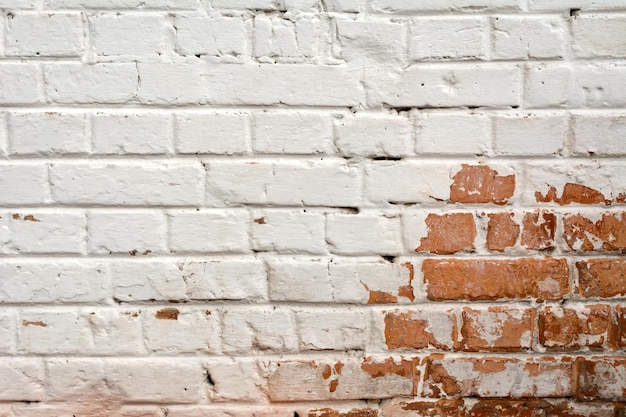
{"x": 312, "y": 208}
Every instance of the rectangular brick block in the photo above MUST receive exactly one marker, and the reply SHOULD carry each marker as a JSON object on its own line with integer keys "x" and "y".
{"x": 601, "y": 378}
{"x": 497, "y": 329}
{"x": 603, "y": 278}
{"x": 575, "y": 328}
{"x": 480, "y": 279}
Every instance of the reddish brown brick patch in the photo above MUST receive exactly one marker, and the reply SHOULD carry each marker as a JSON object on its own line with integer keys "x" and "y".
{"x": 481, "y": 184}
{"x": 497, "y": 329}
{"x": 448, "y": 234}
{"x": 502, "y": 231}
{"x": 539, "y": 228}
{"x": 167, "y": 314}
{"x": 480, "y": 279}
{"x": 608, "y": 233}
{"x": 602, "y": 278}
{"x": 601, "y": 378}
{"x": 419, "y": 330}
{"x": 572, "y": 194}
{"x": 329, "y": 412}
{"x": 570, "y": 329}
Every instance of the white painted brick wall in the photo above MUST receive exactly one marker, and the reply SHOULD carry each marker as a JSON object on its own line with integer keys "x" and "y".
{"x": 194, "y": 192}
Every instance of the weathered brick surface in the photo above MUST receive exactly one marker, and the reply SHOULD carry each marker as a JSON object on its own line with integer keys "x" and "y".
{"x": 312, "y": 208}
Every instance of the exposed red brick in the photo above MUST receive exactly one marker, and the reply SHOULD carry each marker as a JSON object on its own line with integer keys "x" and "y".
{"x": 572, "y": 193}
{"x": 419, "y": 330}
{"x": 329, "y": 412}
{"x": 403, "y": 368}
{"x": 167, "y": 314}
{"x": 601, "y": 378}
{"x": 569, "y": 329}
{"x": 608, "y": 233}
{"x": 539, "y": 227}
{"x": 407, "y": 290}
{"x": 502, "y": 231}
{"x": 497, "y": 329}
{"x": 441, "y": 408}
{"x": 602, "y": 277}
{"x": 481, "y": 279}
{"x": 27, "y": 323}
{"x": 491, "y": 377}
{"x": 449, "y": 233}
{"x": 481, "y": 184}
{"x": 507, "y": 408}
{"x": 621, "y": 198}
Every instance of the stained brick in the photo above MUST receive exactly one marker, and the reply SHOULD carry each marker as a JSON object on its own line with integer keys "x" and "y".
{"x": 497, "y": 329}
{"x": 601, "y": 278}
{"x": 575, "y": 328}
{"x": 480, "y": 279}
{"x": 601, "y": 378}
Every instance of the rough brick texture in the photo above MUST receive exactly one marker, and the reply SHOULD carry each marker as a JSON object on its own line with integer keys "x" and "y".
{"x": 312, "y": 208}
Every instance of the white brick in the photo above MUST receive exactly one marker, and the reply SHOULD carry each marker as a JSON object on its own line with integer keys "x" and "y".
{"x": 142, "y": 281}
{"x": 132, "y": 133}
{"x": 258, "y": 330}
{"x": 599, "y": 134}
{"x": 44, "y": 34}
{"x": 135, "y": 233}
{"x": 446, "y": 86}
{"x": 599, "y": 36}
{"x": 284, "y": 40}
{"x": 350, "y": 6}
{"x": 192, "y": 330}
{"x": 247, "y": 4}
{"x": 373, "y": 41}
{"x": 289, "y": 84}
{"x": 52, "y": 332}
{"x": 528, "y": 37}
{"x": 406, "y": 182}
{"x": 452, "y": 133}
{"x": 98, "y": 83}
{"x": 447, "y": 38}
{"x": 237, "y": 182}
{"x": 125, "y": 4}
{"x": 127, "y": 35}
{"x": 373, "y": 135}
{"x": 408, "y": 6}
{"x": 299, "y": 280}
{"x": 592, "y": 85}
{"x": 193, "y": 231}
{"x": 322, "y": 183}
{"x": 8, "y": 330}
{"x": 333, "y": 330}
{"x": 21, "y": 379}
{"x": 223, "y": 37}
{"x": 225, "y": 280}
{"x": 172, "y": 83}
{"x": 371, "y": 282}
{"x": 11, "y": 4}
{"x": 4, "y": 133}
{"x": 113, "y": 332}
{"x": 48, "y": 133}
{"x": 148, "y": 183}
{"x": 519, "y": 134}
{"x": 24, "y": 183}
{"x": 487, "y": 5}
{"x": 69, "y": 379}
{"x": 281, "y": 132}
{"x": 56, "y": 232}
{"x": 288, "y": 232}
{"x": 54, "y": 282}
{"x": 19, "y": 83}
{"x": 214, "y": 133}
{"x": 363, "y": 234}
{"x": 235, "y": 380}
{"x": 155, "y": 380}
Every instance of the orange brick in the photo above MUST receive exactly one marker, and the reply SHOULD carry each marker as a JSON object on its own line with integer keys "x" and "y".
{"x": 419, "y": 329}
{"x": 621, "y": 325}
{"x": 502, "y": 231}
{"x": 602, "y": 278}
{"x": 572, "y": 193}
{"x": 418, "y": 408}
{"x": 329, "y": 412}
{"x": 601, "y": 378}
{"x": 496, "y": 377}
{"x": 539, "y": 227}
{"x": 573, "y": 328}
{"x": 608, "y": 233}
{"x": 481, "y": 184}
{"x": 480, "y": 279}
{"x": 449, "y": 233}
{"x": 497, "y": 329}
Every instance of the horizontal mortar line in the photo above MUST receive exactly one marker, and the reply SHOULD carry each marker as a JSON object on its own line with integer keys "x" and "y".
{"x": 328, "y": 355}
{"x": 280, "y": 158}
